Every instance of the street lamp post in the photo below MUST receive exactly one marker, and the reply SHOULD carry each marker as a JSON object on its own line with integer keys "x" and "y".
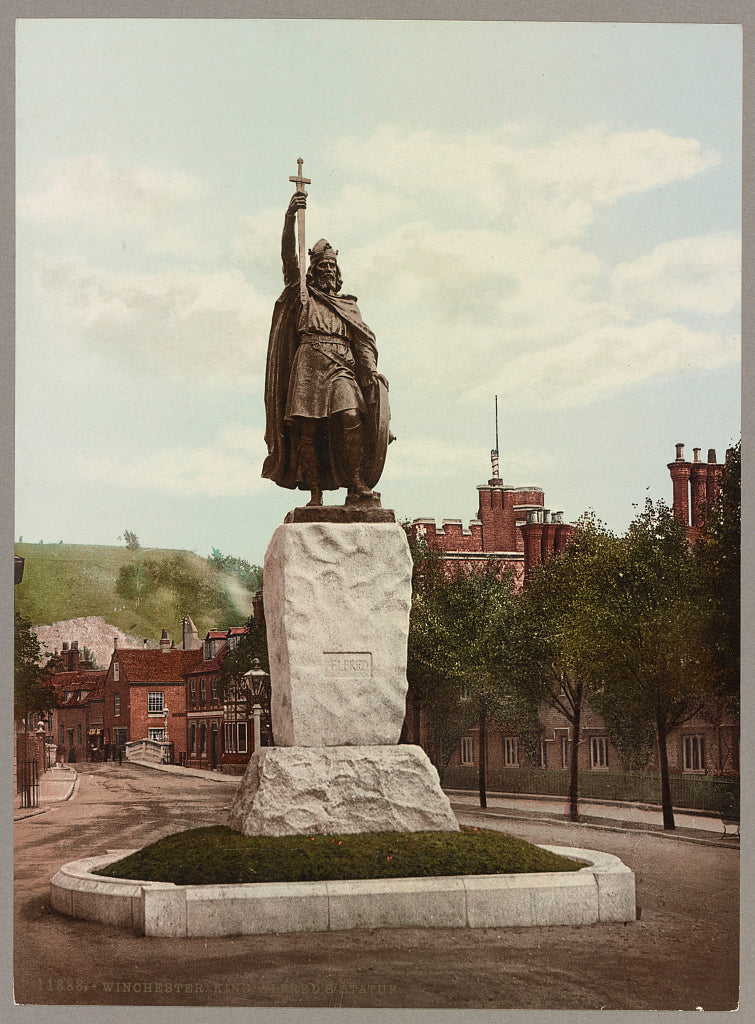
{"x": 257, "y": 681}
{"x": 166, "y": 755}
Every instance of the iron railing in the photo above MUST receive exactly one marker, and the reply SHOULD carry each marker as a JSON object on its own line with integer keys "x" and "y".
{"x": 28, "y": 783}
{"x": 698, "y": 792}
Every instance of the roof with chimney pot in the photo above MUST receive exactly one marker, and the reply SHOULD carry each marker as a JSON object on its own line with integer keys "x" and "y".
{"x": 150, "y": 666}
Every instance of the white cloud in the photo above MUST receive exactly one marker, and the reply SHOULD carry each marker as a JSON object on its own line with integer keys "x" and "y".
{"x": 214, "y": 324}
{"x": 466, "y": 244}
{"x": 229, "y": 468}
{"x": 91, "y": 189}
{"x": 698, "y": 275}
{"x": 610, "y": 358}
{"x": 549, "y": 184}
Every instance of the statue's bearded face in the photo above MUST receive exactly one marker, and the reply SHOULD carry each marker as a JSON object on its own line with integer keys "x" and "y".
{"x": 325, "y": 274}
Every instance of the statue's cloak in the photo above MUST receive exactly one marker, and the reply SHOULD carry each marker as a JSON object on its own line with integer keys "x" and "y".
{"x": 281, "y": 464}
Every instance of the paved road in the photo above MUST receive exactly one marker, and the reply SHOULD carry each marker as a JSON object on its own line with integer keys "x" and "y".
{"x": 681, "y": 954}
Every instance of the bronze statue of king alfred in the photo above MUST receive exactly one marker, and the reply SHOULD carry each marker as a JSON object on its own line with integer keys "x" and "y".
{"x": 326, "y": 405}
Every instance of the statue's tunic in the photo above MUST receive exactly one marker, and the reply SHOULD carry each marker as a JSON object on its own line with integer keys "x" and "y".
{"x": 323, "y": 374}
{"x": 319, "y": 358}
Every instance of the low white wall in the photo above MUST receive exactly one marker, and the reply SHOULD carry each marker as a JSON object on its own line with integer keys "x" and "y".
{"x": 603, "y": 890}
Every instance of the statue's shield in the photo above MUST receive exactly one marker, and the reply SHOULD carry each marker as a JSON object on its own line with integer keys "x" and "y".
{"x": 377, "y": 435}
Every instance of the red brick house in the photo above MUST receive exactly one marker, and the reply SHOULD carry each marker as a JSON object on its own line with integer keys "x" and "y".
{"x": 77, "y": 722}
{"x": 140, "y": 686}
{"x": 204, "y": 709}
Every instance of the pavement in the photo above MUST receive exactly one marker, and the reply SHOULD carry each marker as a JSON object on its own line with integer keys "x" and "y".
{"x": 61, "y": 782}
{"x": 695, "y": 826}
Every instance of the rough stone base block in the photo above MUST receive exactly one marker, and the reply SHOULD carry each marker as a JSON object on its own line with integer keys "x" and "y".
{"x": 324, "y": 790}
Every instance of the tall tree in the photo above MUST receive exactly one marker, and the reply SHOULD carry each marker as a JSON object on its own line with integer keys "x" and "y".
{"x": 640, "y": 630}
{"x": 231, "y": 681}
{"x": 548, "y": 664}
{"x": 32, "y": 690}
{"x": 458, "y": 627}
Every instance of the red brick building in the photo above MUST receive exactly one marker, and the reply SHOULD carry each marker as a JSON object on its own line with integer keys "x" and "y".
{"x": 695, "y": 485}
{"x": 140, "y": 686}
{"x": 512, "y": 524}
{"x": 77, "y": 721}
{"x": 205, "y": 712}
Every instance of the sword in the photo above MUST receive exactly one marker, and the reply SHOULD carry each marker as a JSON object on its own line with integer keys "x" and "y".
{"x": 300, "y": 182}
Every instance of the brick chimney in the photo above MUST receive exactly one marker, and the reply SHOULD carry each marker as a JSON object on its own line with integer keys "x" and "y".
{"x": 532, "y": 531}
{"x": 698, "y": 489}
{"x": 164, "y": 641}
{"x": 680, "y": 474}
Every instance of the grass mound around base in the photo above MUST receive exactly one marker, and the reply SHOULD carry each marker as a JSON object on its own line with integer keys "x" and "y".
{"x": 217, "y": 854}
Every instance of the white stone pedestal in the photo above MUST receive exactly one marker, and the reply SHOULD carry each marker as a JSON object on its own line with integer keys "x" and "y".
{"x": 337, "y": 600}
{"x": 326, "y": 790}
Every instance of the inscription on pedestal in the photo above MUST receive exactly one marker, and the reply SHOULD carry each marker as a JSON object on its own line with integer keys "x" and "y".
{"x": 347, "y": 665}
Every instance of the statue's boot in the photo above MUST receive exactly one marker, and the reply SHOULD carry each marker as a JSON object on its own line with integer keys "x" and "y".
{"x": 358, "y": 491}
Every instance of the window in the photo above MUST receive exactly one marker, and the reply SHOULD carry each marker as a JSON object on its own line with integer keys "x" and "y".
{"x": 214, "y": 689}
{"x": 116, "y": 705}
{"x": 78, "y": 734}
{"x": 511, "y": 751}
{"x": 193, "y": 738}
{"x": 116, "y": 672}
{"x": 155, "y": 734}
{"x": 236, "y": 738}
{"x": 208, "y": 650}
{"x": 598, "y": 752}
{"x": 67, "y": 695}
{"x": 154, "y": 703}
{"x": 62, "y": 736}
{"x": 564, "y": 751}
{"x": 203, "y": 691}
{"x": 467, "y": 750}
{"x": 202, "y": 739}
{"x": 119, "y": 737}
{"x": 193, "y": 691}
{"x": 694, "y": 754}
{"x": 542, "y": 754}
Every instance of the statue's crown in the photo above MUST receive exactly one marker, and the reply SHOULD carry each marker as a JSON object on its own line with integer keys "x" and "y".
{"x": 322, "y": 249}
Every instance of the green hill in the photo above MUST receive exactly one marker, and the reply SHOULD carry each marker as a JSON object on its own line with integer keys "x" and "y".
{"x": 141, "y": 592}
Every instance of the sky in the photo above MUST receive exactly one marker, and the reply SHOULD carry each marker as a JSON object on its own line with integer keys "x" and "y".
{"x": 548, "y": 213}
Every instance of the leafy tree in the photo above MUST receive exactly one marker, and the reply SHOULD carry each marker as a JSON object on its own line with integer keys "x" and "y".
{"x": 640, "y": 630}
{"x": 547, "y": 658}
{"x": 131, "y": 540}
{"x": 249, "y": 575}
{"x": 457, "y": 629}
{"x": 231, "y": 682}
{"x": 133, "y": 582}
{"x": 32, "y": 690}
{"x": 718, "y": 554}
